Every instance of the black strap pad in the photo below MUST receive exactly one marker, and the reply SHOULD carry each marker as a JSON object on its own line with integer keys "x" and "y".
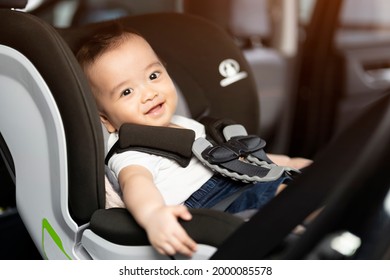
{"x": 173, "y": 143}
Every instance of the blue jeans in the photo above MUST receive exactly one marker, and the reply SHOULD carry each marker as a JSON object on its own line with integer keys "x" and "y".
{"x": 218, "y": 188}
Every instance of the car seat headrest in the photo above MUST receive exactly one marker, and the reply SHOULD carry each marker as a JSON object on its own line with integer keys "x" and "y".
{"x": 202, "y": 59}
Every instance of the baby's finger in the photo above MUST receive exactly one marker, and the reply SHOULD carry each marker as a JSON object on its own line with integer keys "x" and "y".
{"x": 187, "y": 241}
{"x": 191, "y": 244}
{"x": 183, "y": 247}
{"x": 166, "y": 249}
{"x": 182, "y": 212}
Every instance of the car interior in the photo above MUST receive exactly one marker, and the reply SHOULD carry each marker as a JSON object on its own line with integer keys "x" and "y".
{"x": 322, "y": 97}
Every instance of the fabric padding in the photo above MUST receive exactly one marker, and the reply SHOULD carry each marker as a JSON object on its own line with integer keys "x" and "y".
{"x": 170, "y": 142}
{"x": 169, "y": 139}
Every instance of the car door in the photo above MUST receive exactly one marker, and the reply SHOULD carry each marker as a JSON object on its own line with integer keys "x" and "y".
{"x": 363, "y": 39}
{"x": 344, "y": 65}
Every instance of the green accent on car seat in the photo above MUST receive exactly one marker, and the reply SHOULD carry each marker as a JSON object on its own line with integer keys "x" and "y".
{"x": 57, "y": 240}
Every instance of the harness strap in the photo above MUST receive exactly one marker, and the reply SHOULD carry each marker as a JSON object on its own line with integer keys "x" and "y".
{"x": 170, "y": 142}
{"x": 214, "y": 128}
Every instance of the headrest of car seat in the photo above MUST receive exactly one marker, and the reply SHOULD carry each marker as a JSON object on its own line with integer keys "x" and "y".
{"x": 244, "y": 19}
{"x": 202, "y": 59}
{"x": 51, "y": 56}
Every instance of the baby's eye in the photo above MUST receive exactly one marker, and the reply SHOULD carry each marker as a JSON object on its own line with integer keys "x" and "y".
{"x": 154, "y": 75}
{"x": 127, "y": 92}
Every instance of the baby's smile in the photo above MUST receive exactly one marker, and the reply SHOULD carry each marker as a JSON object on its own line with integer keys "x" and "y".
{"x": 156, "y": 110}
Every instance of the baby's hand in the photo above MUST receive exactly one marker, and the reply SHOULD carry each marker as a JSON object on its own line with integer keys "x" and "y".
{"x": 166, "y": 234}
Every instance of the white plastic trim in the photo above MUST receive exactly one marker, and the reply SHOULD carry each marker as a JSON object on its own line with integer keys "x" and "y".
{"x": 32, "y": 127}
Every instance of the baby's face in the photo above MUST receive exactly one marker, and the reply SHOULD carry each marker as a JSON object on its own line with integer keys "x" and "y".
{"x": 132, "y": 86}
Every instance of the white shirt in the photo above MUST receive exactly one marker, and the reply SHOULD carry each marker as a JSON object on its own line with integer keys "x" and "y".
{"x": 175, "y": 183}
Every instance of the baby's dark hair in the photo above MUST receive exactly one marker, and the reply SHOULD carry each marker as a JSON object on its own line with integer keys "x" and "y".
{"x": 105, "y": 39}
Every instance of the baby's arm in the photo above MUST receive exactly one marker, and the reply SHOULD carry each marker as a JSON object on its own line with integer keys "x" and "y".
{"x": 296, "y": 162}
{"x": 160, "y": 221}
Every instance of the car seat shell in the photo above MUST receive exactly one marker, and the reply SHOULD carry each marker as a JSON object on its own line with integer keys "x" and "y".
{"x": 33, "y": 131}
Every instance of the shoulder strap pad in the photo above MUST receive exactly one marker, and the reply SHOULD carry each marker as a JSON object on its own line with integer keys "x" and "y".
{"x": 173, "y": 143}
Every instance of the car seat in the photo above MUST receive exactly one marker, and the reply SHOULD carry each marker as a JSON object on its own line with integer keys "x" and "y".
{"x": 53, "y": 137}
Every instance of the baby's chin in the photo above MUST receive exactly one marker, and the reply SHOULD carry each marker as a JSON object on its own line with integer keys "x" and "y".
{"x": 158, "y": 122}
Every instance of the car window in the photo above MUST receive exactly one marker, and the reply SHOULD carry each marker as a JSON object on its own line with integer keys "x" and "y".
{"x": 363, "y": 22}
{"x": 371, "y": 14}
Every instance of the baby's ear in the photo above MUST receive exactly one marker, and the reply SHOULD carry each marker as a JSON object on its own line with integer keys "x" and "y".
{"x": 105, "y": 121}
